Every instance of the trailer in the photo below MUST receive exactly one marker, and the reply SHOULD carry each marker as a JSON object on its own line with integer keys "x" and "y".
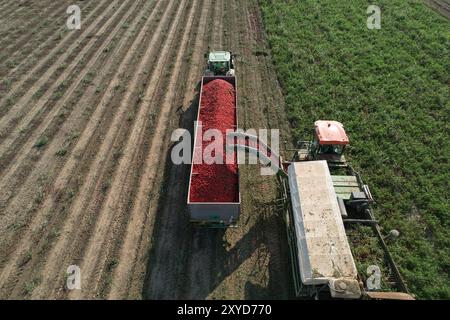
{"x": 205, "y": 209}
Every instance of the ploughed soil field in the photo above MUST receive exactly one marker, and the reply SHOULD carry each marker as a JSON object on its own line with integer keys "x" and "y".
{"x": 442, "y": 6}
{"x": 86, "y": 178}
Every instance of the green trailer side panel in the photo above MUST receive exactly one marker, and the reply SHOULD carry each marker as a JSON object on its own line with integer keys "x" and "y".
{"x": 344, "y": 179}
{"x": 344, "y": 186}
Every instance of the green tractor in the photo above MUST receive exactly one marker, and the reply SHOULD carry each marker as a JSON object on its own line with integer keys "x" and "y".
{"x": 220, "y": 63}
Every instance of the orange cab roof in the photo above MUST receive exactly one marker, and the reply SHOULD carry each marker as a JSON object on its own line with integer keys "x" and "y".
{"x": 331, "y": 132}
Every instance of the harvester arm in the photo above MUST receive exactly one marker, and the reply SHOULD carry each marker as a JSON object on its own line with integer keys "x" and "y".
{"x": 254, "y": 145}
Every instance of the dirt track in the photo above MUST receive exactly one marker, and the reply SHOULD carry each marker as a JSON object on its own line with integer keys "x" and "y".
{"x": 442, "y": 6}
{"x": 85, "y": 171}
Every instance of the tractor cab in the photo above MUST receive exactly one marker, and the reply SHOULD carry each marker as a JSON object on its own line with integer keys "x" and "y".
{"x": 220, "y": 63}
{"x": 328, "y": 143}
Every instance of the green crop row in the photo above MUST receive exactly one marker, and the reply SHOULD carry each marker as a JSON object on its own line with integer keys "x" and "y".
{"x": 390, "y": 88}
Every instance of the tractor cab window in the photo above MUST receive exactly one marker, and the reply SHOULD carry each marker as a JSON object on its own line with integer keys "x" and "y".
{"x": 332, "y": 149}
{"x": 222, "y": 65}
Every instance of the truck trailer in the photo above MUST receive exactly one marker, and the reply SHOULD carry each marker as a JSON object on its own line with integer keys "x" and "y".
{"x": 214, "y": 199}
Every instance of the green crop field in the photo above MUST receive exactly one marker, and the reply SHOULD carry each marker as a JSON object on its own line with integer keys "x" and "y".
{"x": 390, "y": 88}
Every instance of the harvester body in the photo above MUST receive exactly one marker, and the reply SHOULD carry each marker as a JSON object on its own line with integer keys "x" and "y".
{"x": 320, "y": 195}
{"x": 348, "y": 198}
{"x": 317, "y": 234}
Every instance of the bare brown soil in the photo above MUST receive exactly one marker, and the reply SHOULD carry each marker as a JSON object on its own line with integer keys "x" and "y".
{"x": 442, "y": 6}
{"x": 85, "y": 173}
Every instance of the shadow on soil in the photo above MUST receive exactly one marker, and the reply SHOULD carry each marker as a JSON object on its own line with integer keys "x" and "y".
{"x": 188, "y": 262}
